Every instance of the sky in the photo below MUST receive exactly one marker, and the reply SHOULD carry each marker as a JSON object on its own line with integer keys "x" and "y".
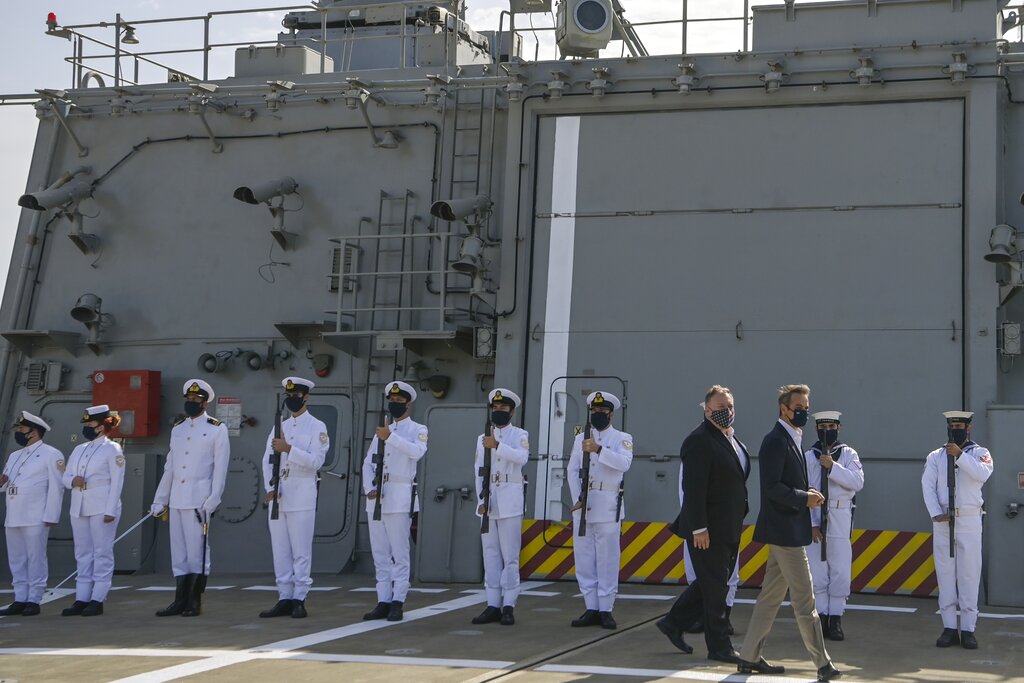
{"x": 27, "y": 44}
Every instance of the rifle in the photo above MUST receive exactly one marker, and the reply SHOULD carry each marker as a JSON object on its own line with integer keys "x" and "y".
{"x": 951, "y": 487}
{"x": 585, "y": 480}
{"x": 275, "y": 463}
{"x": 378, "y": 465}
{"x": 485, "y": 473}
{"x": 824, "y": 507}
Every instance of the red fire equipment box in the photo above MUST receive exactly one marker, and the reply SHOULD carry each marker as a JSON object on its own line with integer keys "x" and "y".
{"x": 135, "y": 395}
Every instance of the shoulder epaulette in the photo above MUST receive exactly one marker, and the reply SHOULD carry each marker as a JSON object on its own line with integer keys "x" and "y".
{"x": 179, "y": 420}
{"x": 214, "y": 421}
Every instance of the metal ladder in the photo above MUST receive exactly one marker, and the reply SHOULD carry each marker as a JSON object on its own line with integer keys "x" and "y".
{"x": 390, "y": 264}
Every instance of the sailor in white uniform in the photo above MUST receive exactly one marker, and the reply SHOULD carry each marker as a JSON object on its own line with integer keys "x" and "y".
{"x": 405, "y": 442}
{"x": 303, "y": 447}
{"x": 510, "y": 451}
{"x": 958, "y": 576}
{"x": 192, "y": 486}
{"x": 95, "y": 475}
{"x": 32, "y": 481}
{"x": 597, "y": 553}
{"x": 834, "y": 469}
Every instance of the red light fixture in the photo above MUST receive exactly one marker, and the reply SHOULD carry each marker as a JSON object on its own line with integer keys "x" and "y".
{"x": 51, "y": 21}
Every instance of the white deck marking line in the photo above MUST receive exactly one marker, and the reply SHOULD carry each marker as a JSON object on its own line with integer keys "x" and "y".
{"x": 637, "y": 596}
{"x": 317, "y": 589}
{"x": 536, "y": 594}
{"x": 283, "y": 647}
{"x": 305, "y": 656}
{"x": 371, "y": 589}
{"x": 669, "y": 673}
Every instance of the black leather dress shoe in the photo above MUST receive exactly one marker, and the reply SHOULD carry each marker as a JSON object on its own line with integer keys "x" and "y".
{"x": 968, "y": 641}
{"x": 395, "y": 611}
{"x": 76, "y": 608}
{"x": 828, "y": 672}
{"x": 93, "y": 609}
{"x": 949, "y": 638}
{"x": 508, "y": 618}
{"x": 727, "y": 656}
{"x": 31, "y": 609}
{"x": 835, "y": 628}
{"x": 761, "y": 666}
{"x": 488, "y": 616}
{"x": 13, "y": 609}
{"x": 674, "y": 635}
{"x": 607, "y": 620}
{"x": 282, "y": 608}
{"x": 588, "y": 618}
{"x": 378, "y": 612}
{"x": 299, "y": 609}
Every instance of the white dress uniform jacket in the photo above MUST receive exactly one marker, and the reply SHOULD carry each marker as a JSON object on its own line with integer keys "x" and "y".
{"x": 34, "y": 490}
{"x": 402, "y": 451}
{"x": 507, "y": 461}
{"x": 101, "y": 463}
{"x": 309, "y": 441}
{"x": 959, "y": 576}
{"x": 831, "y": 578}
{"x": 197, "y": 465}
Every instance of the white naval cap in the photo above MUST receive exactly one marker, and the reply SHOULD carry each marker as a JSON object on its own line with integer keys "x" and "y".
{"x": 399, "y": 388}
{"x": 827, "y": 416}
{"x": 29, "y": 420}
{"x": 602, "y": 399}
{"x": 500, "y": 395}
{"x": 958, "y": 415}
{"x": 198, "y": 387}
{"x": 297, "y": 384}
{"x": 98, "y": 413}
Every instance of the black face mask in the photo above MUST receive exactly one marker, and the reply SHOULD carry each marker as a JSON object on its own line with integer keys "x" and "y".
{"x": 828, "y": 437}
{"x": 294, "y": 403}
{"x": 396, "y": 409}
{"x": 723, "y": 417}
{"x": 600, "y": 421}
{"x": 958, "y": 436}
{"x": 89, "y": 432}
{"x": 500, "y": 418}
{"x": 799, "y": 418}
{"x": 193, "y": 409}
{"x": 21, "y": 438}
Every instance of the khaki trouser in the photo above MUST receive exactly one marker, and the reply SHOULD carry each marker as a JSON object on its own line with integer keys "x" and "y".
{"x": 787, "y": 569}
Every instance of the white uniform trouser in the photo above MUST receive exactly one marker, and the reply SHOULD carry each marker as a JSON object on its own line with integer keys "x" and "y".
{"x": 389, "y": 541}
{"x": 26, "y": 554}
{"x": 832, "y": 577}
{"x": 597, "y": 564}
{"x": 501, "y": 545}
{"x": 94, "y": 555}
{"x": 187, "y": 543}
{"x": 958, "y": 577}
{"x": 691, "y": 576}
{"x": 291, "y": 536}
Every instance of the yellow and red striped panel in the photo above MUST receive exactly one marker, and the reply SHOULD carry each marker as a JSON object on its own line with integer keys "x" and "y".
{"x": 890, "y": 562}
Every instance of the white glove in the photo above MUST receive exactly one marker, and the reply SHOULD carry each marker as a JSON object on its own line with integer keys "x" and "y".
{"x": 210, "y": 505}
{"x": 157, "y": 509}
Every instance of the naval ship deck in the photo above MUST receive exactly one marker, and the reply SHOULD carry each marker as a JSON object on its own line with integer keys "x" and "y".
{"x": 889, "y": 638}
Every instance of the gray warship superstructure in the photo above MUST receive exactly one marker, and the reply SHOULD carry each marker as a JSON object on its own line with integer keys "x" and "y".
{"x": 382, "y": 191}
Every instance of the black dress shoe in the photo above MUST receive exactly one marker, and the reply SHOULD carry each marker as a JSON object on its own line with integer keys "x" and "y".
{"x": 93, "y": 609}
{"x": 835, "y": 628}
{"x": 824, "y": 625}
{"x": 507, "y": 617}
{"x": 76, "y": 608}
{"x": 395, "y": 611}
{"x": 727, "y": 656}
{"x": 828, "y": 672}
{"x": 949, "y": 638}
{"x": 31, "y": 609}
{"x": 299, "y": 609}
{"x": 696, "y": 627}
{"x": 378, "y": 612}
{"x": 13, "y": 609}
{"x": 674, "y": 635}
{"x": 968, "y": 641}
{"x": 761, "y": 666}
{"x": 488, "y": 616}
{"x": 607, "y": 620}
{"x": 282, "y": 608}
{"x": 588, "y": 618}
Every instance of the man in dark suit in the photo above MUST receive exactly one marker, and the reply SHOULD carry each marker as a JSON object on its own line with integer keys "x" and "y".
{"x": 784, "y": 525}
{"x": 711, "y": 521}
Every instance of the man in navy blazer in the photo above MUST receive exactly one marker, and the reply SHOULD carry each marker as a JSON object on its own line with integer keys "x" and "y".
{"x": 784, "y": 525}
{"x": 711, "y": 521}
